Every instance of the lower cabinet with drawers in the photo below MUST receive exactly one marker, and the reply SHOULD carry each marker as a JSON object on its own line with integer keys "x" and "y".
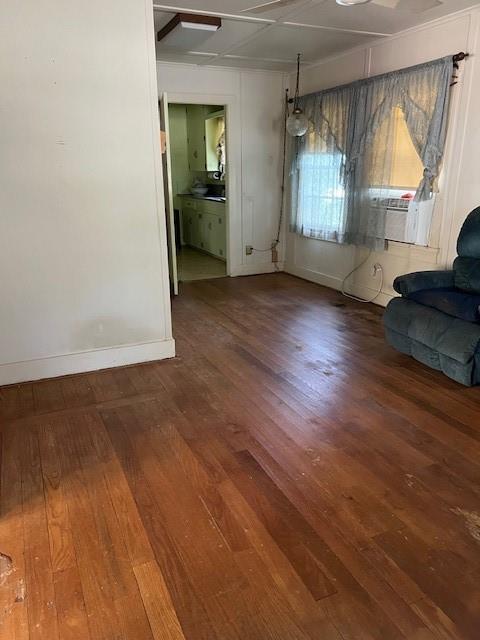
{"x": 203, "y": 226}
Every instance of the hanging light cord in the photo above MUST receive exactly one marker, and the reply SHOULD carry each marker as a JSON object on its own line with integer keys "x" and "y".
{"x": 276, "y": 242}
{"x": 352, "y": 297}
{"x": 297, "y": 87}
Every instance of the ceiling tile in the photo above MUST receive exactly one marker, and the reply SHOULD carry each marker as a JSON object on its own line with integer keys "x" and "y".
{"x": 372, "y": 17}
{"x": 186, "y": 58}
{"x": 317, "y": 28}
{"x": 253, "y": 63}
{"x": 230, "y": 33}
{"x": 161, "y": 19}
{"x": 284, "y": 42}
{"x": 225, "y": 6}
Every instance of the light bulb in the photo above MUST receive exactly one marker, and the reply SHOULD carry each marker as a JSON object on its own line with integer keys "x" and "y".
{"x": 297, "y": 123}
{"x": 351, "y": 3}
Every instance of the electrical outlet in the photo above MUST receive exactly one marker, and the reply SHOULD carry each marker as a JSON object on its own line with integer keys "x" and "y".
{"x": 274, "y": 254}
{"x": 248, "y": 250}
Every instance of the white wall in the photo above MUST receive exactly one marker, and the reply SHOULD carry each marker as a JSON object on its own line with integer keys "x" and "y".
{"x": 254, "y": 123}
{"x": 328, "y": 263}
{"x": 82, "y": 236}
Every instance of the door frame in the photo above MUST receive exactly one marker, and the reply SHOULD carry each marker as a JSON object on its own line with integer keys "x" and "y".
{"x": 233, "y": 204}
{"x": 168, "y": 193}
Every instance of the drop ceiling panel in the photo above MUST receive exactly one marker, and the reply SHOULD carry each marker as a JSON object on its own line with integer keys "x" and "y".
{"x": 254, "y": 63}
{"x": 371, "y": 17}
{"x": 227, "y": 6}
{"x": 230, "y": 33}
{"x": 161, "y": 19}
{"x": 271, "y": 40}
{"x": 283, "y": 42}
{"x": 186, "y": 58}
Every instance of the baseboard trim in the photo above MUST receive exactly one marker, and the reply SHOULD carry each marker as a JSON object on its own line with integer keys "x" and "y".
{"x": 333, "y": 282}
{"x": 80, "y": 362}
{"x": 367, "y": 292}
{"x": 325, "y": 280}
{"x": 256, "y": 269}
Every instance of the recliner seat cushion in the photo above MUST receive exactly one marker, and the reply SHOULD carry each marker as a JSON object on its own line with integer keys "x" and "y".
{"x": 454, "y": 302}
{"x": 434, "y": 338}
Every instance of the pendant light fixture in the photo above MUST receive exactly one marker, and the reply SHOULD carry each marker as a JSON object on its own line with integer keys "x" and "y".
{"x": 351, "y": 3}
{"x": 297, "y": 123}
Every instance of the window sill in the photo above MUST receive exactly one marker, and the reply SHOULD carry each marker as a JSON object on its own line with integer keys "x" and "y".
{"x": 413, "y": 251}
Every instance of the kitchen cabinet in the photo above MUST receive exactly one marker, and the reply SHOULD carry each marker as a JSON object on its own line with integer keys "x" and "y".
{"x": 203, "y": 226}
{"x": 204, "y": 131}
{"x": 214, "y": 134}
{"x": 190, "y": 227}
{"x": 196, "y": 115}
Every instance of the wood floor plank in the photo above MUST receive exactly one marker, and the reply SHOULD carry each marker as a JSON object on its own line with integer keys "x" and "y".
{"x": 158, "y": 604}
{"x": 188, "y": 605}
{"x": 62, "y": 551}
{"x": 286, "y": 476}
{"x": 98, "y": 579}
{"x": 70, "y": 603}
{"x": 13, "y": 604}
{"x": 39, "y": 581}
{"x": 435, "y": 575}
{"x": 284, "y": 523}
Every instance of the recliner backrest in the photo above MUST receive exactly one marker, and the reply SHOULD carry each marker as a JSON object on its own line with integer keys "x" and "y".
{"x": 467, "y": 265}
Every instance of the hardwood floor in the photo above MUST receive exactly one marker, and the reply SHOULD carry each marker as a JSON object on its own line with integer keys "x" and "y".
{"x": 288, "y": 476}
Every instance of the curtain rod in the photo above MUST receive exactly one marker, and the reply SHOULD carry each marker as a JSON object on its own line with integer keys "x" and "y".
{"x": 456, "y": 59}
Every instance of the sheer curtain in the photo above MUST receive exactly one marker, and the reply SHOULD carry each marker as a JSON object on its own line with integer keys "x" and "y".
{"x": 342, "y": 167}
{"x": 318, "y": 169}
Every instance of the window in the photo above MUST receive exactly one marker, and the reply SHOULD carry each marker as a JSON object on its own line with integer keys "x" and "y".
{"x": 321, "y": 193}
{"x": 394, "y": 173}
{"x": 350, "y": 173}
{"x": 392, "y": 170}
{"x": 404, "y": 169}
{"x": 321, "y": 197}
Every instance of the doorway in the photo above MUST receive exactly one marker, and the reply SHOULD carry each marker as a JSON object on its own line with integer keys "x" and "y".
{"x": 196, "y": 190}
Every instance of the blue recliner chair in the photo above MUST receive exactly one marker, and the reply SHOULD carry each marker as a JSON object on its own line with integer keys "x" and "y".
{"x": 437, "y": 319}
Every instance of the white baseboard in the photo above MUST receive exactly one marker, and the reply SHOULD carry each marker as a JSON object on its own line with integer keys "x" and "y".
{"x": 336, "y": 283}
{"x": 367, "y": 292}
{"x": 54, "y": 366}
{"x": 256, "y": 269}
{"x": 314, "y": 276}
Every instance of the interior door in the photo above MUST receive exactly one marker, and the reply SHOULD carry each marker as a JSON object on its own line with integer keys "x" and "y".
{"x": 168, "y": 190}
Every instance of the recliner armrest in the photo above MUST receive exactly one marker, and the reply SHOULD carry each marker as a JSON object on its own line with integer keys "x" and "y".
{"x": 411, "y": 282}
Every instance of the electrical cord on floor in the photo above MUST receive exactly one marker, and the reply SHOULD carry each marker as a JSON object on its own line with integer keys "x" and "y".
{"x": 352, "y": 297}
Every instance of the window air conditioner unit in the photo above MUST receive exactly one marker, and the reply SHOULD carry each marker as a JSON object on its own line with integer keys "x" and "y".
{"x": 396, "y": 220}
{"x": 406, "y": 220}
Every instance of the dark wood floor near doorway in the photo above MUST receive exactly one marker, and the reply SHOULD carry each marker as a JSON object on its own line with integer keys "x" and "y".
{"x": 288, "y": 476}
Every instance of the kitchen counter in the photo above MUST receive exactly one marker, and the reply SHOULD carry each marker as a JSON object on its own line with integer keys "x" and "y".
{"x": 207, "y": 197}
{"x": 203, "y": 224}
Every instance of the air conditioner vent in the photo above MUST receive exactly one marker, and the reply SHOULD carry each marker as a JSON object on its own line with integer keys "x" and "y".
{"x": 393, "y": 204}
